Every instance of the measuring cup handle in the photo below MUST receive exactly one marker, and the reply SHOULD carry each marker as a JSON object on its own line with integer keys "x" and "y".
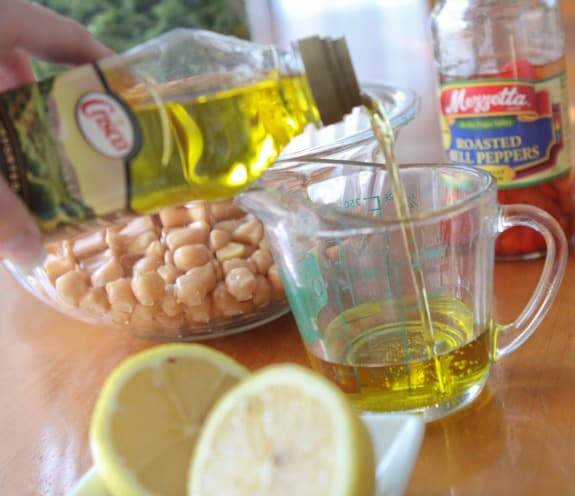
{"x": 518, "y": 331}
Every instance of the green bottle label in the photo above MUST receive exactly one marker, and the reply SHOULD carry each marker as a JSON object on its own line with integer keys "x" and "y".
{"x": 64, "y": 146}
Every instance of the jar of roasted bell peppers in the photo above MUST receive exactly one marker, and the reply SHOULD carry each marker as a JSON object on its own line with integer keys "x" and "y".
{"x": 504, "y": 105}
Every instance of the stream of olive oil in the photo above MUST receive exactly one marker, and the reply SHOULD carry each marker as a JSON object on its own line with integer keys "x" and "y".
{"x": 383, "y": 132}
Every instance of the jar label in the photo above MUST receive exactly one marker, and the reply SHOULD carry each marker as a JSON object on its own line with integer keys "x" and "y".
{"x": 516, "y": 129}
{"x": 64, "y": 146}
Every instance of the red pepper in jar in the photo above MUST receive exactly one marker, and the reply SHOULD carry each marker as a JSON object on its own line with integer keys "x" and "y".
{"x": 555, "y": 196}
{"x": 533, "y": 141}
{"x": 502, "y": 112}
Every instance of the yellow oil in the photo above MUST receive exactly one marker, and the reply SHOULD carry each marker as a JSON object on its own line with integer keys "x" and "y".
{"x": 214, "y": 146}
{"x": 389, "y": 366}
{"x": 383, "y": 132}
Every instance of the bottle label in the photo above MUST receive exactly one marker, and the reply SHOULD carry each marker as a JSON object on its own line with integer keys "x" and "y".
{"x": 64, "y": 147}
{"x": 516, "y": 129}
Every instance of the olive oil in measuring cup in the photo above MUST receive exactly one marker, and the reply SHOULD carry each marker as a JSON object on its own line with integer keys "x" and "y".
{"x": 432, "y": 356}
{"x": 394, "y": 366}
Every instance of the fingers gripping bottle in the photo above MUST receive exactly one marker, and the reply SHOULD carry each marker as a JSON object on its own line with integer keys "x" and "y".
{"x": 504, "y": 104}
{"x": 190, "y": 114}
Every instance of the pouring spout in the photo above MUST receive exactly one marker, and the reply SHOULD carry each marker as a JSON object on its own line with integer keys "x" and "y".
{"x": 267, "y": 205}
{"x": 272, "y": 206}
{"x": 288, "y": 216}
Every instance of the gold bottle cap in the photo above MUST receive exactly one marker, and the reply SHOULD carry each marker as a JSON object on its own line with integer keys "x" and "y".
{"x": 331, "y": 76}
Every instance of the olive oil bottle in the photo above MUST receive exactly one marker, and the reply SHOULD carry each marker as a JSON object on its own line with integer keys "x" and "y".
{"x": 190, "y": 114}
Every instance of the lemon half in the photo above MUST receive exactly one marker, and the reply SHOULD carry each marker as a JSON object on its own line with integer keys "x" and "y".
{"x": 284, "y": 430}
{"x": 149, "y": 413}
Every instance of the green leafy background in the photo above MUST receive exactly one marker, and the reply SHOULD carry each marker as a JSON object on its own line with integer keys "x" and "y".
{"x": 122, "y": 24}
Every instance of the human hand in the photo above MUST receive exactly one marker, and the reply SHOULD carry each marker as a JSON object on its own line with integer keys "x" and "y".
{"x": 29, "y": 30}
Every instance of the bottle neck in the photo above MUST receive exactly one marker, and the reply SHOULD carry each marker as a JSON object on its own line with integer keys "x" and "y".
{"x": 294, "y": 85}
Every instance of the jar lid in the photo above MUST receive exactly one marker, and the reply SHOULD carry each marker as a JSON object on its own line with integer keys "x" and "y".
{"x": 331, "y": 76}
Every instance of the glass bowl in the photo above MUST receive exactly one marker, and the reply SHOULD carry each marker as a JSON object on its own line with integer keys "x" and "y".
{"x": 196, "y": 271}
{"x": 353, "y": 139}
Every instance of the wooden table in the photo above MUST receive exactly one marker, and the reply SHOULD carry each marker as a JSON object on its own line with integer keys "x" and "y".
{"x": 517, "y": 438}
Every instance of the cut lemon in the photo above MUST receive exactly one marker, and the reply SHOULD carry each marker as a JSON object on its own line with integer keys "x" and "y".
{"x": 284, "y": 430}
{"x": 149, "y": 413}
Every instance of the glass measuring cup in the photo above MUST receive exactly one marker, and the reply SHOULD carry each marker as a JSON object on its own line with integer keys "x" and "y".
{"x": 338, "y": 242}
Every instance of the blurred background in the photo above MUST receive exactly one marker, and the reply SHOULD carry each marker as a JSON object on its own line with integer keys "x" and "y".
{"x": 389, "y": 40}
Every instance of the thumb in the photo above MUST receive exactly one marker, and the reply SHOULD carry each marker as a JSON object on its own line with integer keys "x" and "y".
{"x": 15, "y": 69}
{"x": 20, "y": 238}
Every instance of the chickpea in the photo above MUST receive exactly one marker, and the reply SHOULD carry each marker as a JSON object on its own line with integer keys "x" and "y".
{"x": 249, "y": 233}
{"x": 196, "y": 233}
{"x": 107, "y": 272}
{"x": 169, "y": 273}
{"x": 263, "y": 260}
{"x": 228, "y": 225}
{"x": 87, "y": 246}
{"x": 168, "y": 258}
{"x": 67, "y": 248}
{"x": 199, "y": 314}
{"x": 188, "y": 256}
{"x": 55, "y": 266}
{"x": 121, "y": 296}
{"x": 262, "y": 292}
{"x": 225, "y": 210}
{"x": 264, "y": 243}
{"x": 127, "y": 262}
{"x": 194, "y": 285}
{"x": 95, "y": 302}
{"x": 72, "y": 286}
{"x": 241, "y": 283}
{"x": 248, "y": 250}
{"x": 199, "y": 211}
{"x": 275, "y": 280}
{"x": 225, "y": 305}
{"x": 148, "y": 288}
{"x": 234, "y": 263}
{"x": 218, "y": 270}
{"x": 137, "y": 246}
{"x": 231, "y": 250}
{"x": 155, "y": 249}
{"x": 94, "y": 262}
{"x": 218, "y": 239}
{"x": 147, "y": 264}
{"x": 54, "y": 248}
{"x": 174, "y": 216}
{"x": 114, "y": 241}
{"x": 170, "y": 304}
{"x": 137, "y": 226}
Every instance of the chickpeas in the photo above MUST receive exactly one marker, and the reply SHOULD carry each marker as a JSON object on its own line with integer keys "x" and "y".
{"x": 197, "y": 232}
{"x": 180, "y": 271}
{"x": 189, "y": 256}
{"x": 107, "y": 272}
{"x": 241, "y": 283}
{"x": 148, "y": 288}
{"x": 72, "y": 286}
{"x": 194, "y": 285}
{"x": 249, "y": 233}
